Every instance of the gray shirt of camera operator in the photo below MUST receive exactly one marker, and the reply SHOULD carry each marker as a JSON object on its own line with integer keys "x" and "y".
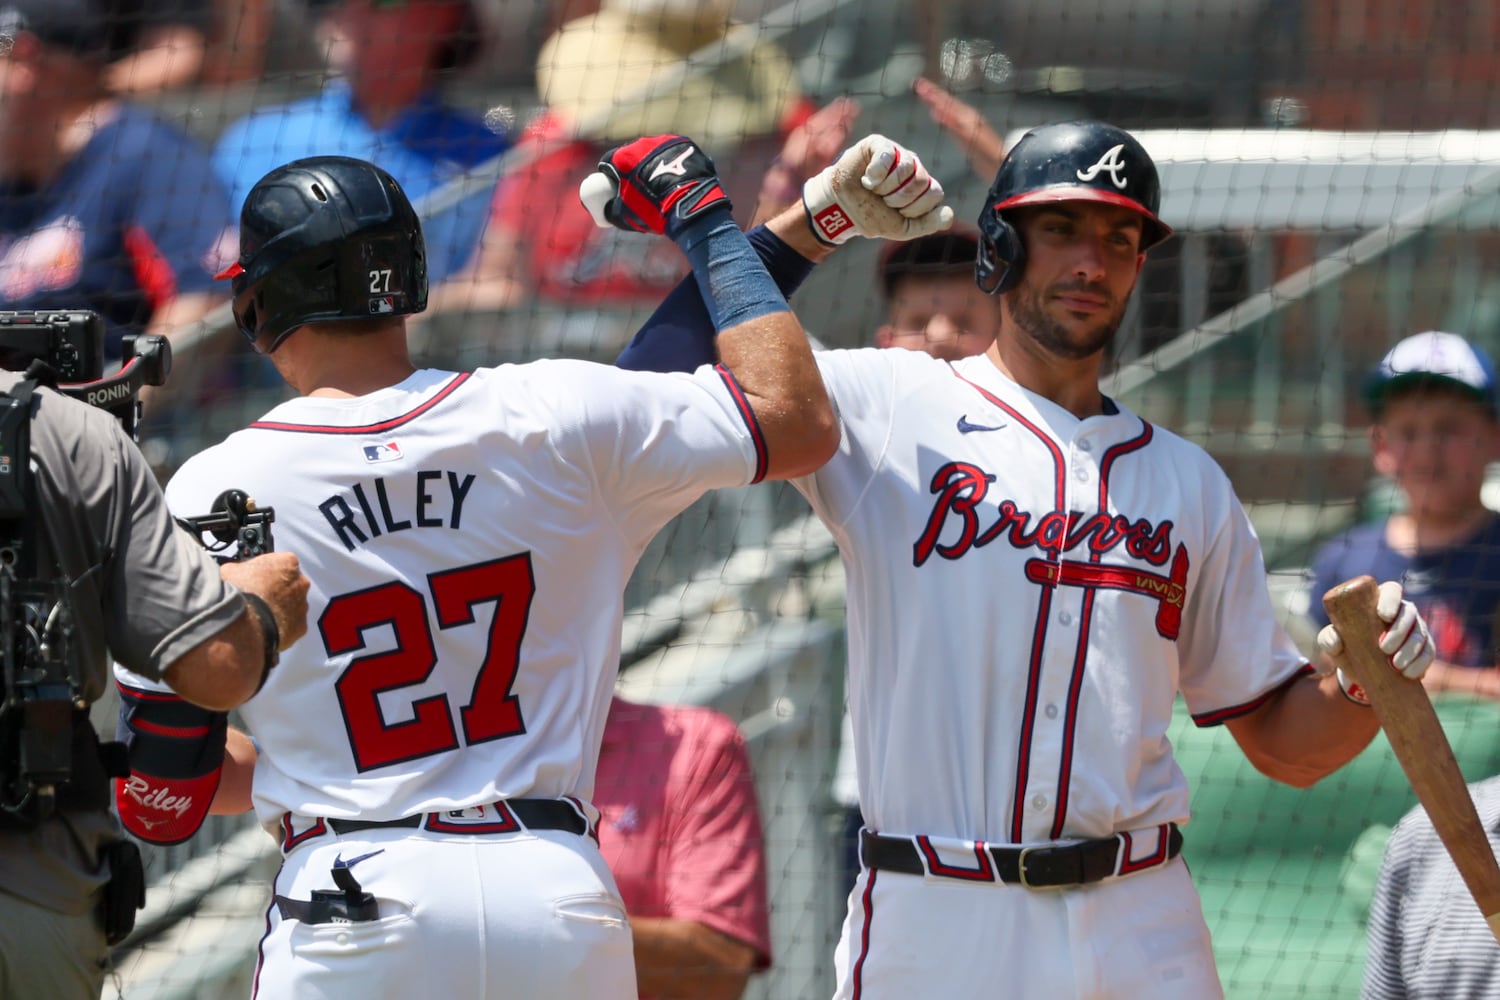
{"x": 143, "y": 591}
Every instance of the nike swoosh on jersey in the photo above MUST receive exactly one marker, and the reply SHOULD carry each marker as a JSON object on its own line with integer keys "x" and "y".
{"x": 964, "y": 427}
{"x": 677, "y": 166}
{"x": 339, "y": 862}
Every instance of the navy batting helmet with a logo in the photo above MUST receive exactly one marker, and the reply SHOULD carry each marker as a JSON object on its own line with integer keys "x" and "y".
{"x": 1065, "y": 161}
{"x": 321, "y": 239}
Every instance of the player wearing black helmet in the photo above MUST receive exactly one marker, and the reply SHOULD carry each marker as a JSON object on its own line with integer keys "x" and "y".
{"x": 325, "y": 239}
{"x": 1035, "y": 575}
{"x": 430, "y": 746}
{"x": 1069, "y": 161}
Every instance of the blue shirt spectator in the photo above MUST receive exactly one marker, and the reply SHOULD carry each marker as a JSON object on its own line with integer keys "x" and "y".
{"x": 103, "y": 205}
{"x": 1457, "y": 587}
{"x": 1435, "y": 406}
{"x": 386, "y": 108}
{"x": 128, "y": 225}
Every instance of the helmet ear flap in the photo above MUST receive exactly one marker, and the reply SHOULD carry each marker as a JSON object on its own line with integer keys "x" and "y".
{"x": 1001, "y": 256}
{"x": 246, "y": 307}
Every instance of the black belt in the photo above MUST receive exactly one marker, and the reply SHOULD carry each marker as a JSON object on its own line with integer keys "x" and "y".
{"x": 534, "y": 814}
{"x": 1043, "y": 867}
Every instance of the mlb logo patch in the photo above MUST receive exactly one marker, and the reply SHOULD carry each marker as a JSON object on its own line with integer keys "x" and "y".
{"x": 382, "y": 305}
{"x": 382, "y": 452}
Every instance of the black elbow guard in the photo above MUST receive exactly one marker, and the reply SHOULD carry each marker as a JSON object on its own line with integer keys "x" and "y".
{"x": 176, "y": 752}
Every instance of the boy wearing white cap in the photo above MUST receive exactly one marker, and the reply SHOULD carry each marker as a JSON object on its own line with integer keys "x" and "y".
{"x": 1433, "y": 402}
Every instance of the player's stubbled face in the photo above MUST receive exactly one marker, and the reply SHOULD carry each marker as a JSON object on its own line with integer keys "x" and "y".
{"x": 1082, "y": 259}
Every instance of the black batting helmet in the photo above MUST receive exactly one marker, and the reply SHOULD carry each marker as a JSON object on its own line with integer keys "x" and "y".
{"x": 1065, "y": 161}
{"x": 326, "y": 238}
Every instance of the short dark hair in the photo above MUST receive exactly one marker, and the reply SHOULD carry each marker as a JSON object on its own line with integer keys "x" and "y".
{"x": 949, "y": 253}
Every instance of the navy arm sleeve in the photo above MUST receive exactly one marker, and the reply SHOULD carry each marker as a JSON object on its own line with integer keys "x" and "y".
{"x": 679, "y": 335}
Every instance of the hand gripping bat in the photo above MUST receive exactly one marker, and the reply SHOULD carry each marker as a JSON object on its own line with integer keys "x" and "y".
{"x": 1415, "y": 734}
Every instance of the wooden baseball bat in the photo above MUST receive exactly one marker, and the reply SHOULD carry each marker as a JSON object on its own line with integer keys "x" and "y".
{"x": 1415, "y": 734}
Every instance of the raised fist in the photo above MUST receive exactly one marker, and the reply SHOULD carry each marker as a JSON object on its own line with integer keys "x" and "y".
{"x": 876, "y": 188}
{"x": 652, "y": 185}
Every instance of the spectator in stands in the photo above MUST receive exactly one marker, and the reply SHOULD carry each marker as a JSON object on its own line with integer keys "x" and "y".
{"x": 1433, "y": 401}
{"x": 1426, "y": 938}
{"x": 606, "y": 78}
{"x": 103, "y": 205}
{"x": 680, "y": 829}
{"x": 966, "y": 126}
{"x": 183, "y": 43}
{"x": 171, "y": 42}
{"x": 931, "y": 301}
{"x": 384, "y": 105}
{"x": 239, "y": 42}
{"x": 931, "y": 304}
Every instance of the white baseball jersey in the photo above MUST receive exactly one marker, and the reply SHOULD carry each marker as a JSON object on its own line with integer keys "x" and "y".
{"x": 1027, "y": 594}
{"x": 468, "y": 538}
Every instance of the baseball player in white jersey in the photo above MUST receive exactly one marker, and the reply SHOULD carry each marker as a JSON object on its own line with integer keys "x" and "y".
{"x": 426, "y": 754}
{"x": 1034, "y": 574}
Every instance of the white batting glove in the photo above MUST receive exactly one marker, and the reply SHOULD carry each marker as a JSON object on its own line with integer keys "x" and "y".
{"x": 876, "y": 188}
{"x": 1406, "y": 641}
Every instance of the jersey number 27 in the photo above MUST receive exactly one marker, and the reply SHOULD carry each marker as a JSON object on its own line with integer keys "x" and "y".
{"x": 492, "y": 711}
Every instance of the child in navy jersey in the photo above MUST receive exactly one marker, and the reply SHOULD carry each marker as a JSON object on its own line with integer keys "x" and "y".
{"x": 1433, "y": 402}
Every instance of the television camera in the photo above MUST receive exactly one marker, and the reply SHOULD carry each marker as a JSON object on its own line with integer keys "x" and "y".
{"x": 43, "y": 689}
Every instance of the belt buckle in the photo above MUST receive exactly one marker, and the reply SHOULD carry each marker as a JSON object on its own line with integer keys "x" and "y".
{"x": 1026, "y": 852}
{"x": 1043, "y": 853}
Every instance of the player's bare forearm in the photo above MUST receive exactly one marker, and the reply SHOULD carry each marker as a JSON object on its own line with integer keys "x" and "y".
{"x": 773, "y": 363}
{"x": 791, "y": 225}
{"x": 686, "y": 960}
{"x": 1305, "y": 732}
{"x": 667, "y": 185}
{"x": 233, "y": 794}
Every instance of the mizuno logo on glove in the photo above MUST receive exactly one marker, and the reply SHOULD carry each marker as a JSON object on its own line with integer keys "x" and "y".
{"x": 653, "y": 185}
{"x": 676, "y": 166}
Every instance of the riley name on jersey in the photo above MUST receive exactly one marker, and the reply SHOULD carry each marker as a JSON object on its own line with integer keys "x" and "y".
{"x": 367, "y": 509}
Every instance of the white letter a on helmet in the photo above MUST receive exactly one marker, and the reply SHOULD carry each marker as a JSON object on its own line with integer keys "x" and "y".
{"x": 1109, "y": 163}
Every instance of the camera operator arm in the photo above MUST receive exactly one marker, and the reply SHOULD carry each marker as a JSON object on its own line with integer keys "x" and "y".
{"x": 184, "y": 763}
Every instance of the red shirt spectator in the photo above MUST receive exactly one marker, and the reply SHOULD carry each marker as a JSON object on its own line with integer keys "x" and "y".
{"x": 607, "y": 78}
{"x": 680, "y": 828}
{"x": 569, "y": 259}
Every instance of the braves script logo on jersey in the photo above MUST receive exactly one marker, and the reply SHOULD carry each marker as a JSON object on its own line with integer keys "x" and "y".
{"x": 961, "y": 488}
{"x": 1110, "y": 163}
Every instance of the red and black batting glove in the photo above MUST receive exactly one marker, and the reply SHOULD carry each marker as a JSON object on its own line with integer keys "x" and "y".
{"x": 658, "y": 184}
